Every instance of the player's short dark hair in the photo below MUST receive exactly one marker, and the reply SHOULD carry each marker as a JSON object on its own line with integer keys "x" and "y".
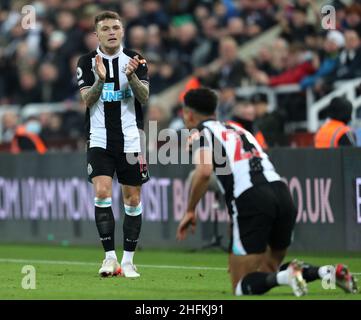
{"x": 106, "y": 15}
{"x": 202, "y": 100}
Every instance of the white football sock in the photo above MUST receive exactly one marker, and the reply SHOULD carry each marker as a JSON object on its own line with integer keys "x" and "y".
{"x": 127, "y": 257}
{"x": 282, "y": 277}
{"x": 110, "y": 255}
{"x": 324, "y": 271}
{"x": 238, "y": 292}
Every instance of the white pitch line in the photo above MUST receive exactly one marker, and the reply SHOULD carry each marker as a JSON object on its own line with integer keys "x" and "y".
{"x": 82, "y": 263}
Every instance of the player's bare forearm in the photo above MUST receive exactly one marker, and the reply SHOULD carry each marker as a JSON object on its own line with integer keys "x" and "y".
{"x": 201, "y": 177}
{"x": 199, "y": 187}
{"x": 139, "y": 88}
{"x": 91, "y": 95}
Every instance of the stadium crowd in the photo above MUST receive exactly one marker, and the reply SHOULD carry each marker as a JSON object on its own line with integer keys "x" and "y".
{"x": 179, "y": 39}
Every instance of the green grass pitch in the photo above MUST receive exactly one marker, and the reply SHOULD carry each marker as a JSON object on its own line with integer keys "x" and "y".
{"x": 71, "y": 273}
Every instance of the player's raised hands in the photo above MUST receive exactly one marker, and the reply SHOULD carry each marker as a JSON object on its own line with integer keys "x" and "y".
{"x": 189, "y": 219}
{"x": 132, "y": 66}
{"x": 100, "y": 67}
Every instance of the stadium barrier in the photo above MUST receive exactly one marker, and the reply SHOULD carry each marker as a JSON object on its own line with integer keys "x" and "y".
{"x": 347, "y": 88}
{"x": 48, "y": 199}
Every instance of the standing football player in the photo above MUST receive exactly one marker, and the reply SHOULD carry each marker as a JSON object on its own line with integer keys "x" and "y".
{"x": 114, "y": 85}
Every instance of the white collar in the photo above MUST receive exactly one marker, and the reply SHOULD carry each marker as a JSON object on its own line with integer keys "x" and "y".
{"x": 103, "y": 55}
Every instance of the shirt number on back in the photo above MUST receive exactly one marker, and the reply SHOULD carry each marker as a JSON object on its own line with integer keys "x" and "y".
{"x": 239, "y": 154}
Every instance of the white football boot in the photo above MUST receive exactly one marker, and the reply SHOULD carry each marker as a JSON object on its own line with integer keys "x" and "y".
{"x": 129, "y": 270}
{"x": 295, "y": 279}
{"x": 110, "y": 267}
{"x": 345, "y": 280}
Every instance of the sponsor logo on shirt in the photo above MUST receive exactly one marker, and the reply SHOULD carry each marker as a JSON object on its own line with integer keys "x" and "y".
{"x": 110, "y": 95}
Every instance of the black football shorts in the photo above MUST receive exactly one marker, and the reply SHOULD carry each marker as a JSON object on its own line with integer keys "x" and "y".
{"x": 131, "y": 168}
{"x": 262, "y": 216}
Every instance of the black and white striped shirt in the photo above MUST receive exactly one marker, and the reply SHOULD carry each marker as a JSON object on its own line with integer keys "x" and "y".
{"x": 238, "y": 160}
{"x": 112, "y": 123}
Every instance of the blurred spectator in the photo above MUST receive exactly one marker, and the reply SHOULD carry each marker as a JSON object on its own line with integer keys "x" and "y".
{"x": 244, "y": 115}
{"x": 153, "y": 13}
{"x": 66, "y": 21}
{"x": 29, "y": 89}
{"x": 44, "y": 118}
{"x": 137, "y": 39}
{"x": 54, "y": 128}
{"x": 64, "y": 29}
{"x": 300, "y": 64}
{"x": 182, "y": 46}
{"x": 157, "y": 119}
{"x": 59, "y": 55}
{"x": 73, "y": 124}
{"x": 157, "y": 113}
{"x": 297, "y": 28}
{"x": 50, "y": 84}
{"x": 236, "y": 29}
{"x": 335, "y": 132}
{"x": 161, "y": 74}
{"x": 86, "y": 17}
{"x": 177, "y": 122}
{"x": 201, "y": 13}
{"x": 23, "y": 58}
{"x": 154, "y": 44}
{"x": 227, "y": 99}
{"x": 257, "y": 15}
{"x": 27, "y": 137}
{"x": 340, "y": 14}
{"x": 10, "y": 121}
{"x": 179, "y": 39}
{"x": 348, "y": 64}
{"x": 131, "y": 13}
{"x": 280, "y": 51}
{"x": 206, "y": 51}
{"x": 273, "y": 60}
{"x": 271, "y": 124}
{"x": 176, "y": 7}
{"x": 228, "y": 69}
{"x": 224, "y": 10}
{"x": 90, "y": 41}
{"x": 353, "y": 17}
{"x": 333, "y": 43}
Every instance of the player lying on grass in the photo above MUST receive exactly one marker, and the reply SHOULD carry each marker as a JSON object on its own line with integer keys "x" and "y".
{"x": 259, "y": 203}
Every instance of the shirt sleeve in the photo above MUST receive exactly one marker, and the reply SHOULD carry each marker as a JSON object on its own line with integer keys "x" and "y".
{"x": 84, "y": 73}
{"x": 200, "y": 139}
{"x": 142, "y": 70}
{"x": 205, "y": 140}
